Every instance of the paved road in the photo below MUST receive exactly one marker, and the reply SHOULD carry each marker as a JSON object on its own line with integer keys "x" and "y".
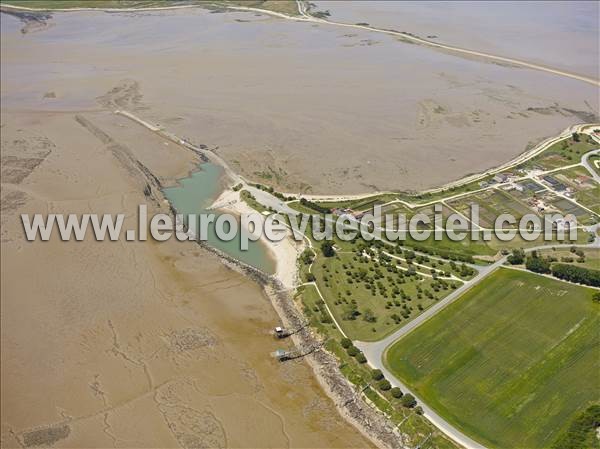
{"x": 586, "y": 163}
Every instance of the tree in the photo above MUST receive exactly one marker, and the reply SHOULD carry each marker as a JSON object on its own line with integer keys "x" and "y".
{"x": 376, "y": 374}
{"x": 360, "y": 358}
{"x": 352, "y": 351}
{"x": 307, "y": 256}
{"x": 596, "y": 297}
{"x": 537, "y": 264}
{"x": 517, "y": 257}
{"x": 579, "y": 275}
{"x": 327, "y": 249}
{"x": 397, "y": 392}
{"x": 310, "y": 277}
{"x": 408, "y": 401}
{"x": 369, "y": 316}
{"x": 346, "y": 343}
{"x": 576, "y": 137}
{"x": 418, "y": 410}
{"x": 384, "y": 385}
{"x": 350, "y": 312}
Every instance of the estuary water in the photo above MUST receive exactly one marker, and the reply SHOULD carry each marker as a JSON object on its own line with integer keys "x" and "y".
{"x": 194, "y": 194}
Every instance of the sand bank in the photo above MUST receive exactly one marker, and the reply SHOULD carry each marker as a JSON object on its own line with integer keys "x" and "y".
{"x": 285, "y": 252}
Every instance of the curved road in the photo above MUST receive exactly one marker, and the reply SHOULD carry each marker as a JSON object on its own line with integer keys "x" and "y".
{"x": 586, "y": 163}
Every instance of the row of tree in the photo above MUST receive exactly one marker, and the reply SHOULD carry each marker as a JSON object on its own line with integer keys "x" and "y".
{"x": 566, "y": 272}
{"x": 573, "y": 273}
{"x": 407, "y": 400}
{"x": 314, "y": 206}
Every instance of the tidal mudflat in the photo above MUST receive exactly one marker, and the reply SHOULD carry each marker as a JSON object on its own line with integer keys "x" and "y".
{"x": 134, "y": 344}
{"x": 301, "y": 106}
{"x": 559, "y": 34}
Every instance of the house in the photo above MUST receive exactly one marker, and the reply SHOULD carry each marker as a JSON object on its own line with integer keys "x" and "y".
{"x": 555, "y": 184}
{"x": 500, "y": 177}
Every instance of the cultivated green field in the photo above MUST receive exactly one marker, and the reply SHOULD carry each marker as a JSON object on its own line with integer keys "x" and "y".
{"x": 511, "y": 363}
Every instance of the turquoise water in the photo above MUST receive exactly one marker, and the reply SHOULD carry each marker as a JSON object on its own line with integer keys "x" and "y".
{"x": 194, "y": 194}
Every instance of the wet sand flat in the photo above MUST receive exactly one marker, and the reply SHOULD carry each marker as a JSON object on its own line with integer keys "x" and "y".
{"x": 559, "y": 34}
{"x": 133, "y": 344}
{"x": 300, "y": 106}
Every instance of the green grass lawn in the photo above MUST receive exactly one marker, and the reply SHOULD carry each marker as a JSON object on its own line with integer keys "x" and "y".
{"x": 591, "y": 257}
{"x": 379, "y": 310}
{"x": 511, "y": 363}
{"x": 564, "y": 152}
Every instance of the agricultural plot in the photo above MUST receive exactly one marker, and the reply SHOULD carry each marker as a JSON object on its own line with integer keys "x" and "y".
{"x": 566, "y": 206}
{"x": 396, "y": 209}
{"x": 492, "y": 203}
{"x": 585, "y": 190}
{"x": 511, "y": 363}
{"x": 429, "y": 211}
{"x": 590, "y": 198}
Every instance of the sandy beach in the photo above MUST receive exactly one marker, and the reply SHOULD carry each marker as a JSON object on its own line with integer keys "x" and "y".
{"x": 285, "y": 252}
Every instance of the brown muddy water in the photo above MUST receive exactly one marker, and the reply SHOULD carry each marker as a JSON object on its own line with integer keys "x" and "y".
{"x": 301, "y": 106}
{"x": 559, "y": 34}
